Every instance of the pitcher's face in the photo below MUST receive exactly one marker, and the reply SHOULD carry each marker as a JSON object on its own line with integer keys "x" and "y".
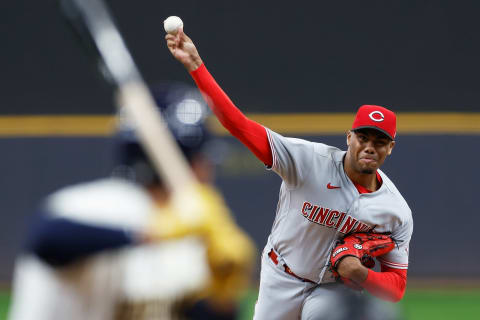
{"x": 368, "y": 149}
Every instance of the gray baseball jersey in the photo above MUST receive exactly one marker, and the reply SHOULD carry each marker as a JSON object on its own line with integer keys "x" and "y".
{"x": 318, "y": 204}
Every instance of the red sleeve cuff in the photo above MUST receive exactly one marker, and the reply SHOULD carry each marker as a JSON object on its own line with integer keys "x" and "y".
{"x": 388, "y": 286}
{"x": 198, "y": 71}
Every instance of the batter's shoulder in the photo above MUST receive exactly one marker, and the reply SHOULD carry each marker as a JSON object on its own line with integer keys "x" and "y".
{"x": 109, "y": 202}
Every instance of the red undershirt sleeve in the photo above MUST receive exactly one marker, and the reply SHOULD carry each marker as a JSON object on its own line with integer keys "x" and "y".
{"x": 249, "y": 132}
{"x": 389, "y": 284}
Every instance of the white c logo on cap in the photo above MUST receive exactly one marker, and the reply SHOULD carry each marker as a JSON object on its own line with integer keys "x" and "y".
{"x": 378, "y": 118}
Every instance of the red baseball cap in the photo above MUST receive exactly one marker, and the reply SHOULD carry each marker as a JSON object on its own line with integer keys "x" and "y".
{"x": 376, "y": 117}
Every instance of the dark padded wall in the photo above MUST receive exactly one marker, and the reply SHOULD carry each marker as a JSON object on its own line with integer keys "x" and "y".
{"x": 282, "y": 56}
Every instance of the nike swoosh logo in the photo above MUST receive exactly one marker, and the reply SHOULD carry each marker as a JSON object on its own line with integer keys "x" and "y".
{"x": 329, "y": 186}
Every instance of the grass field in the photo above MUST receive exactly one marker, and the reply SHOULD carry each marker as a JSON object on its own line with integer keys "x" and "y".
{"x": 4, "y": 299}
{"x": 418, "y": 304}
{"x": 429, "y": 304}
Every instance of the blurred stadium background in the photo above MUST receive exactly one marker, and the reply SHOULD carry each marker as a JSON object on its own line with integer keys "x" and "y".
{"x": 302, "y": 68}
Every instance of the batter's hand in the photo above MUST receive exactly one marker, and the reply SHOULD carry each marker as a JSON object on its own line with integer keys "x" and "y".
{"x": 183, "y": 49}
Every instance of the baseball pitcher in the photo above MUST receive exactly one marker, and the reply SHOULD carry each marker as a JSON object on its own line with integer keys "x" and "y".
{"x": 337, "y": 210}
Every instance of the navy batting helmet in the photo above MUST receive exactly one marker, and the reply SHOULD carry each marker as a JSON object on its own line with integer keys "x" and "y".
{"x": 184, "y": 111}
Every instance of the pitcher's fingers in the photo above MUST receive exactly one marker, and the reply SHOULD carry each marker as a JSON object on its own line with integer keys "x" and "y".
{"x": 169, "y": 36}
{"x": 171, "y": 43}
{"x": 182, "y": 35}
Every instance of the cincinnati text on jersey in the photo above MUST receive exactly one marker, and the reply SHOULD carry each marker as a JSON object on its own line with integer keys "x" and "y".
{"x": 332, "y": 218}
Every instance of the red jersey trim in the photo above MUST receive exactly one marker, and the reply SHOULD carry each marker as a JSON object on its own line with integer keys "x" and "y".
{"x": 394, "y": 265}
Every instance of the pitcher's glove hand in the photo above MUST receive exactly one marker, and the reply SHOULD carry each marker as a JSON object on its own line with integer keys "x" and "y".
{"x": 363, "y": 245}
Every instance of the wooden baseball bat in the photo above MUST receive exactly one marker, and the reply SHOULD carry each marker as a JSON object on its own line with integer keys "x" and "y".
{"x": 94, "y": 24}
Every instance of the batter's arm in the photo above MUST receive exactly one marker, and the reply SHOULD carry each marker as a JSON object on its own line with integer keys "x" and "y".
{"x": 250, "y": 133}
{"x": 60, "y": 241}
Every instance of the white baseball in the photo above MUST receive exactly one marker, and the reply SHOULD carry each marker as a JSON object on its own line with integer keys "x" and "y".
{"x": 172, "y": 24}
